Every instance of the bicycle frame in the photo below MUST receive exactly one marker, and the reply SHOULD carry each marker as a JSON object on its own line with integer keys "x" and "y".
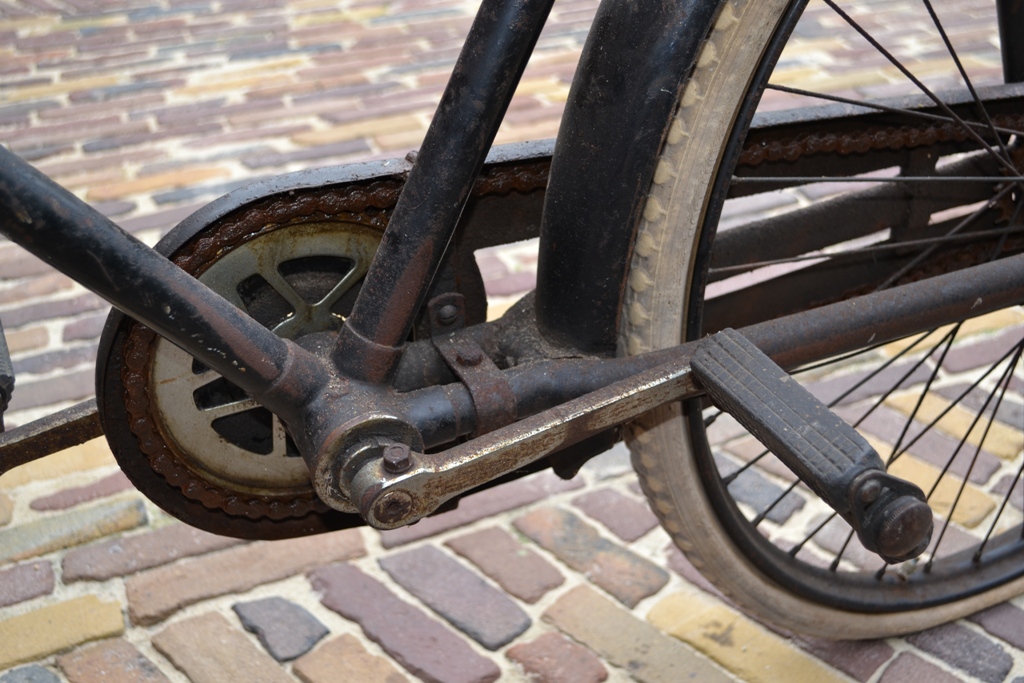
{"x": 343, "y": 409}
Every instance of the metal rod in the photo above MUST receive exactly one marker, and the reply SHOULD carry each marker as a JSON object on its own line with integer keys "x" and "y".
{"x": 77, "y": 240}
{"x": 1011, "y": 38}
{"x": 472, "y": 107}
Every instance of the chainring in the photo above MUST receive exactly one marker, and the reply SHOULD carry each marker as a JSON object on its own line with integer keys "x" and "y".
{"x": 189, "y": 440}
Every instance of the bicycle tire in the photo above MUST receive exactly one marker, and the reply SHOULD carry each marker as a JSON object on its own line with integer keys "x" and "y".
{"x": 669, "y": 447}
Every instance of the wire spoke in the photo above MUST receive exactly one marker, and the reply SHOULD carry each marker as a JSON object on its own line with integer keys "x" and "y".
{"x": 917, "y": 82}
{"x": 871, "y": 249}
{"x": 967, "y": 79}
{"x": 884, "y": 108}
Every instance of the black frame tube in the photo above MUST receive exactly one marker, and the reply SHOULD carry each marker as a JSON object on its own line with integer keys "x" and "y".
{"x": 85, "y": 245}
{"x": 1011, "y": 38}
{"x": 486, "y": 74}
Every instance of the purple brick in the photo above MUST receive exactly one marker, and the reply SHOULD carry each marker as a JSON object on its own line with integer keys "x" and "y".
{"x": 833, "y": 389}
{"x": 131, "y": 554}
{"x": 1004, "y": 621}
{"x": 970, "y": 356}
{"x": 458, "y": 595}
{"x": 909, "y": 668}
{"x": 553, "y": 658}
{"x": 626, "y": 517}
{"x": 964, "y": 649}
{"x": 285, "y": 629}
{"x": 422, "y": 645}
{"x": 484, "y": 504}
{"x": 517, "y": 569}
{"x": 627, "y": 576}
{"x": 24, "y": 582}
{"x": 71, "y": 386}
{"x": 88, "y": 327}
{"x": 70, "y": 497}
{"x": 859, "y": 659}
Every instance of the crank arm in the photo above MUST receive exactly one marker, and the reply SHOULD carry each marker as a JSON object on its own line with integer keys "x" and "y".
{"x": 388, "y": 500}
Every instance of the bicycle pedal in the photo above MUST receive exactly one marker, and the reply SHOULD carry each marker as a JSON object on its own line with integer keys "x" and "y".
{"x": 890, "y": 515}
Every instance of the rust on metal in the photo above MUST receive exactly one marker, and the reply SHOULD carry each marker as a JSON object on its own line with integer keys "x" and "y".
{"x": 64, "y": 429}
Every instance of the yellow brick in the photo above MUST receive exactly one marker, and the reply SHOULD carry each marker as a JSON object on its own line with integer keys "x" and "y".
{"x": 360, "y": 129}
{"x": 88, "y": 456}
{"x": 974, "y": 504}
{"x": 160, "y": 181}
{"x": 400, "y": 141}
{"x": 1000, "y": 439}
{"x": 34, "y": 92}
{"x": 354, "y": 15}
{"x": 740, "y": 645}
{"x": 57, "y": 627}
{"x": 542, "y": 86}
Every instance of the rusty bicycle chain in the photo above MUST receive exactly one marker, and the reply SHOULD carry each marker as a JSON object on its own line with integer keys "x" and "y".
{"x": 367, "y": 204}
{"x": 793, "y": 147}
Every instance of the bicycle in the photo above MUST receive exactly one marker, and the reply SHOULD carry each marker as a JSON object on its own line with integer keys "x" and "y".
{"x": 588, "y": 305}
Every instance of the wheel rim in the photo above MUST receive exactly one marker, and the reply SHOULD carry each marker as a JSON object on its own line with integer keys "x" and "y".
{"x": 822, "y": 567}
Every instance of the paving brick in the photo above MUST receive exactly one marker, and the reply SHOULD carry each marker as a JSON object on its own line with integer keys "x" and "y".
{"x": 208, "y": 649}
{"x": 627, "y": 576}
{"x": 458, "y": 595}
{"x": 54, "y": 360}
{"x": 161, "y": 220}
{"x": 1004, "y": 621}
{"x": 931, "y": 446}
{"x": 27, "y": 339}
{"x": 268, "y": 159}
{"x": 6, "y": 509}
{"x": 87, "y": 456}
{"x": 516, "y": 568}
{"x": 742, "y": 646}
{"x": 552, "y": 658}
{"x": 16, "y": 317}
{"x": 909, "y": 668}
{"x": 345, "y": 659}
{"x": 831, "y": 389}
{"x": 998, "y": 439}
{"x": 760, "y": 493}
{"x": 57, "y": 627}
{"x": 484, "y": 504}
{"x": 29, "y": 674}
{"x": 963, "y": 649}
{"x": 626, "y": 517}
{"x": 112, "y": 661}
{"x": 70, "y": 497}
{"x": 53, "y": 533}
{"x": 965, "y": 357}
{"x": 24, "y": 582}
{"x": 1010, "y": 411}
{"x": 286, "y": 630}
{"x": 37, "y": 286}
{"x": 625, "y": 641}
{"x": 419, "y": 643}
{"x": 858, "y": 659}
{"x": 157, "y": 593}
{"x": 75, "y": 385}
{"x": 127, "y": 555}
{"x": 163, "y": 181}
{"x": 88, "y": 327}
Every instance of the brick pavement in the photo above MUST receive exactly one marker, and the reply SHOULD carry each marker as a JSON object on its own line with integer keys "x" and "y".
{"x": 150, "y": 108}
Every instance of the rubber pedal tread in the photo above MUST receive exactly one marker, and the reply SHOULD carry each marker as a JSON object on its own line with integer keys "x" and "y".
{"x": 815, "y": 443}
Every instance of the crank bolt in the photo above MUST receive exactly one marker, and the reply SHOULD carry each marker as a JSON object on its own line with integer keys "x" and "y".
{"x": 448, "y": 314}
{"x": 869, "y": 492}
{"x": 392, "y": 508}
{"x": 397, "y": 458}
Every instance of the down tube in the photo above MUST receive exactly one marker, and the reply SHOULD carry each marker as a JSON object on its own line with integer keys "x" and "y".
{"x": 625, "y": 89}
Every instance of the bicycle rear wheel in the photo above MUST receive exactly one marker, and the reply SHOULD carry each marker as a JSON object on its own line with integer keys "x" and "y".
{"x": 756, "y": 532}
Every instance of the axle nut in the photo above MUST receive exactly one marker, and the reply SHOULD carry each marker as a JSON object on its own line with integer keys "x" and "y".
{"x": 392, "y": 508}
